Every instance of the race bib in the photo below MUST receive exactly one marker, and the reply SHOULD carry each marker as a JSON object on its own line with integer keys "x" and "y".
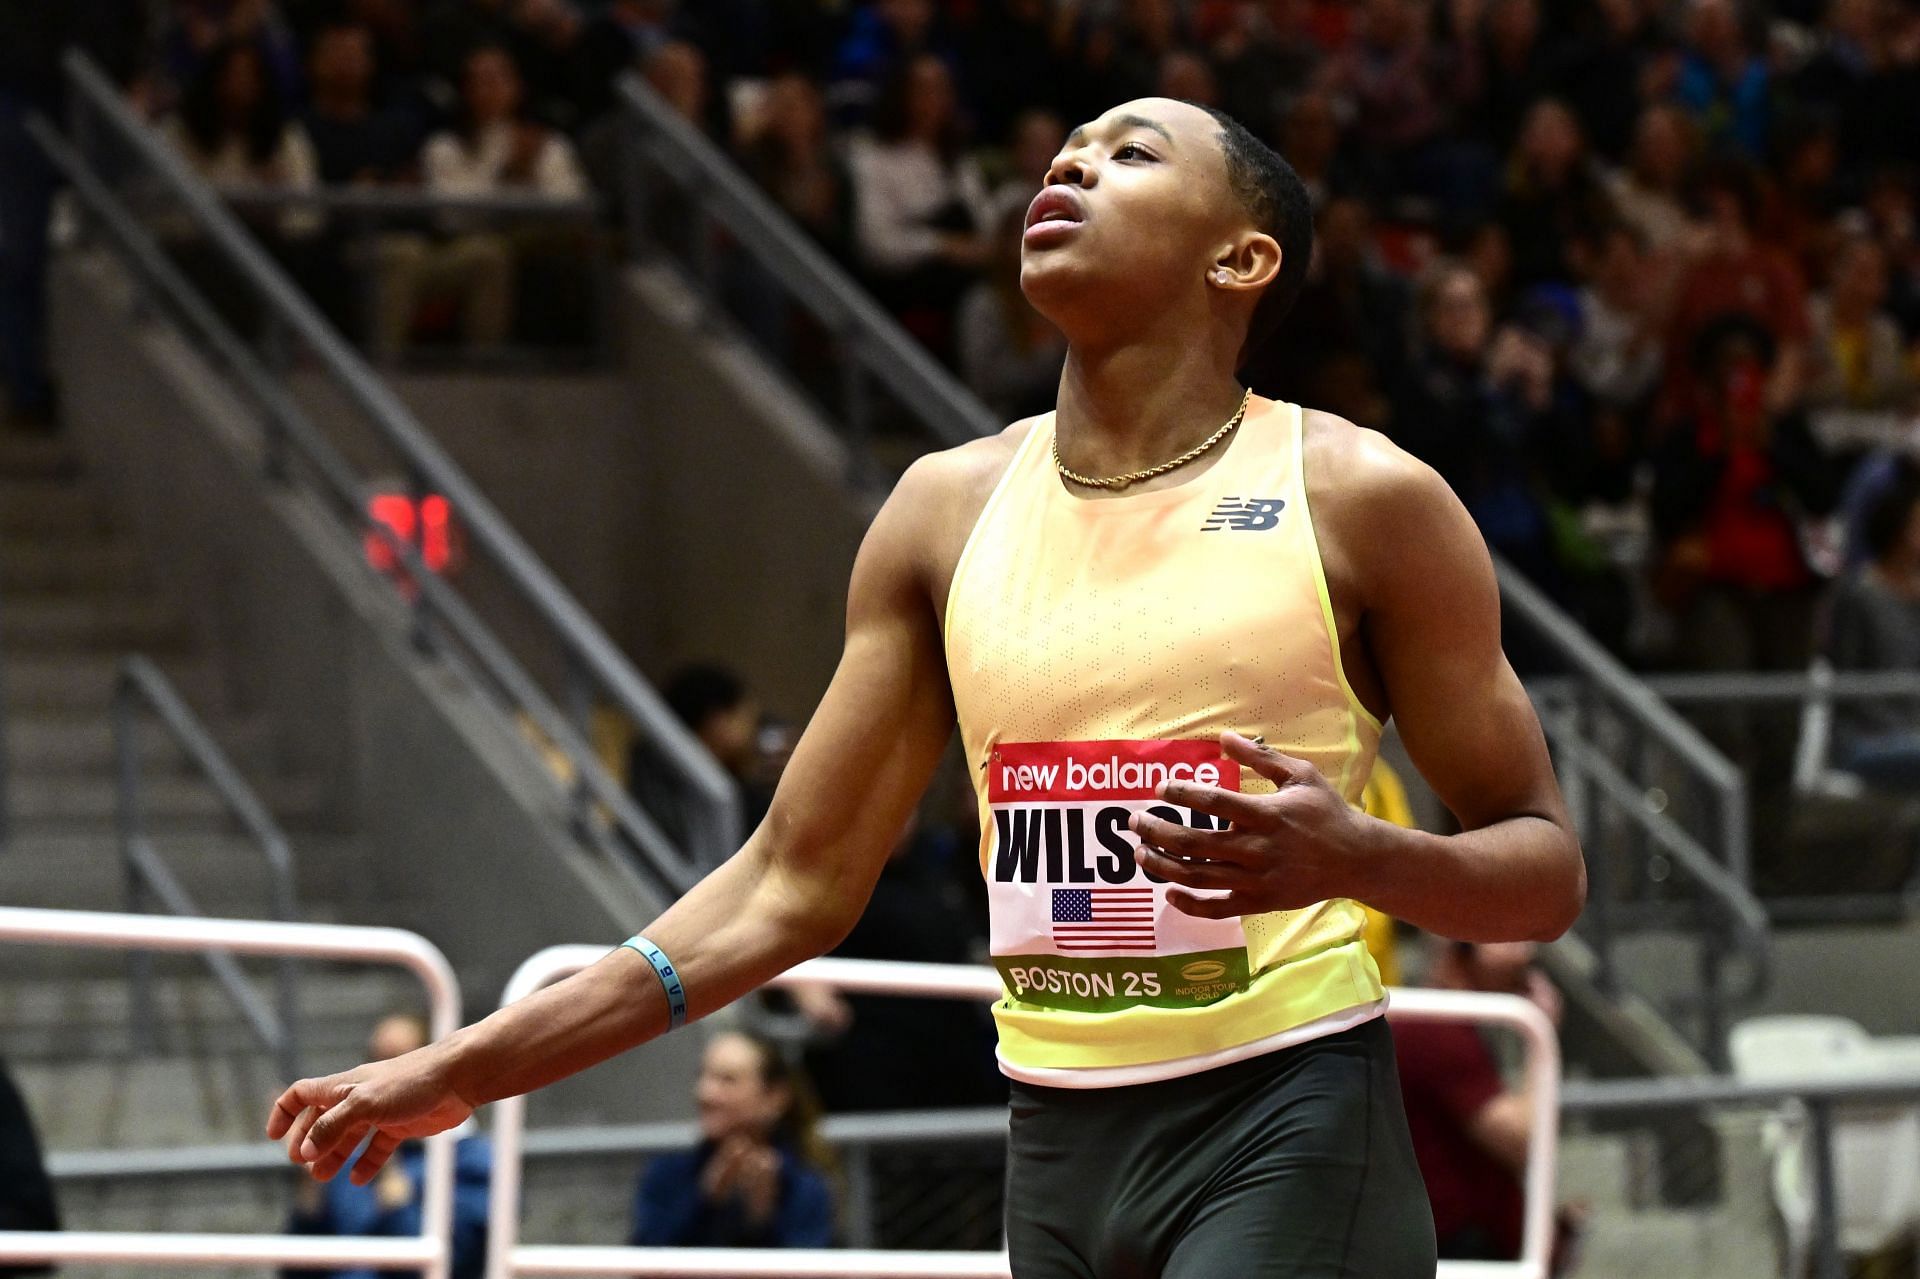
{"x": 1076, "y": 924}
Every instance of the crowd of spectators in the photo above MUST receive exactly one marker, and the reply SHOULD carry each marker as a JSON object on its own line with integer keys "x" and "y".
{"x": 1642, "y": 280}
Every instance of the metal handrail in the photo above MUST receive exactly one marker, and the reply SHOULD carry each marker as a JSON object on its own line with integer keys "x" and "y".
{"x": 593, "y": 663}
{"x": 6, "y": 777}
{"x": 946, "y": 410}
{"x": 431, "y": 1251}
{"x": 141, "y": 685}
{"x": 507, "y": 1257}
{"x": 411, "y": 200}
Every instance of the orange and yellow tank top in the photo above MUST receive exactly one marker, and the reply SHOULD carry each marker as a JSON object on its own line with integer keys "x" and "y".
{"x": 1097, "y": 648}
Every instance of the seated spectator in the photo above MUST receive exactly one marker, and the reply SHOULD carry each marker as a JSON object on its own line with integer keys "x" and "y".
{"x": 1009, "y": 353}
{"x": 1470, "y": 1129}
{"x": 882, "y": 39}
{"x": 1875, "y": 626}
{"x": 1264, "y": 54}
{"x": 1351, "y": 305}
{"x": 715, "y": 703}
{"x": 26, "y": 1192}
{"x": 234, "y": 130}
{"x": 1037, "y": 138}
{"x": 1553, "y": 195}
{"x": 1310, "y": 140}
{"x": 1738, "y": 273}
{"x": 677, "y": 71}
{"x": 391, "y": 1204}
{"x": 1616, "y": 358}
{"x": 920, "y": 205}
{"x": 622, "y": 35}
{"x": 1731, "y": 482}
{"x": 755, "y": 1180}
{"x": 1722, "y": 82}
{"x": 1651, "y": 191}
{"x": 495, "y": 151}
{"x": 792, "y": 158}
{"x": 1857, "y": 359}
{"x": 1478, "y": 407}
{"x": 1399, "y": 109}
{"x": 197, "y": 32}
{"x": 354, "y": 140}
{"x": 1185, "y": 76}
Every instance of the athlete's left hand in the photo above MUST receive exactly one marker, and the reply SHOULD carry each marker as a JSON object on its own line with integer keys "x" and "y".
{"x": 1300, "y": 845}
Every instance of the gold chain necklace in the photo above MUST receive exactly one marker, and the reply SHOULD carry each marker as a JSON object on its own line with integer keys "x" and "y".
{"x": 1134, "y": 477}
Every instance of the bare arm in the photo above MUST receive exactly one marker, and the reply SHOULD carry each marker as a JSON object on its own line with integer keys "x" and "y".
{"x": 1432, "y": 627}
{"x": 793, "y": 891}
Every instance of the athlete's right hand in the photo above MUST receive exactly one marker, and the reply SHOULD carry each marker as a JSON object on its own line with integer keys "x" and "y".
{"x": 401, "y": 1099}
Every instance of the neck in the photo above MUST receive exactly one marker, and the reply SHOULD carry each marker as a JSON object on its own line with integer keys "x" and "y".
{"x": 1129, "y": 407}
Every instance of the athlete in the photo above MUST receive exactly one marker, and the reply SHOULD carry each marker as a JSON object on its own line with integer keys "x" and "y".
{"x": 1170, "y": 618}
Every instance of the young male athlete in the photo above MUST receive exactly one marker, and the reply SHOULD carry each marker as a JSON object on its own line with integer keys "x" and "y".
{"x": 1171, "y": 618}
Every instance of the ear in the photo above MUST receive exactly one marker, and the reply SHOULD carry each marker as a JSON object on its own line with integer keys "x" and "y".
{"x": 1249, "y": 263}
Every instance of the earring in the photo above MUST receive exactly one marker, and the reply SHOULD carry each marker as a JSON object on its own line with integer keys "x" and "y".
{"x": 1219, "y": 277}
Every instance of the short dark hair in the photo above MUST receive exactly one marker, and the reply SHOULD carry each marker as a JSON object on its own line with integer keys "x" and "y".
{"x": 1277, "y": 200}
{"x": 698, "y": 693}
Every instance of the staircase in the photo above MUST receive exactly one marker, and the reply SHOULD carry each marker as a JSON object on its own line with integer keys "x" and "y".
{"x": 75, "y": 597}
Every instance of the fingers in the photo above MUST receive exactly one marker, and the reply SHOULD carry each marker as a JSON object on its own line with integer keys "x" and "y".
{"x": 1176, "y": 838}
{"x": 1241, "y": 810}
{"x": 1266, "y": 761}
{"x": 330, "y": 1161}
{"x": 1193, "y": 874}
{"x": 374, "y": 1158}
{"x": 292, "y": 1104}
{"x": 335, "y": 1133}
{"x": 296, "y": 1134}
{"x": 1190, "y": 903}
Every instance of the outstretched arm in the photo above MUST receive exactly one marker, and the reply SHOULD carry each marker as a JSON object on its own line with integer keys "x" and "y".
{"x": 1431, "y": 610}
{"x": 793, "y": 891}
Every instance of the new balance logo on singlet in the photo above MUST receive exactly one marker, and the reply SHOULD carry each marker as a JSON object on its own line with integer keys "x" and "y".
{"x": 1251, "y": 515}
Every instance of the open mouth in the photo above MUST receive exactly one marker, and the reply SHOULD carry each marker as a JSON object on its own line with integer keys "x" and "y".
{"x": 1056, "y": 208}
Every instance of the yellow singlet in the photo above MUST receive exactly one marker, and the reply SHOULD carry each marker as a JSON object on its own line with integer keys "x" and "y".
{"x": 1098, "y": 647}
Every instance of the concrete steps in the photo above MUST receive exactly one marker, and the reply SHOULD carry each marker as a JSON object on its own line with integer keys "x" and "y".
{"x": 82, "y": 682}
{"x": 90, "y": 564}
{"x": 70, "y": 622}
{"x": 67, "y": 742}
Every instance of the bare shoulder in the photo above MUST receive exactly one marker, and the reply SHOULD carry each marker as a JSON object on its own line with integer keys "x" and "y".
{"x": 1385, "y": 520}
{"x": 939, "y": 499}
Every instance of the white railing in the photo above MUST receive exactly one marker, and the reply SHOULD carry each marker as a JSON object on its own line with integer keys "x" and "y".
{"x": 429, "y": 1252}
{"x": 507, "y": 1257}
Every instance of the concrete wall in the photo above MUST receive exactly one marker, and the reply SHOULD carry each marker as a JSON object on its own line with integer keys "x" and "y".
{"x": 693, "y": 504}
{"x": 461, "y": 836}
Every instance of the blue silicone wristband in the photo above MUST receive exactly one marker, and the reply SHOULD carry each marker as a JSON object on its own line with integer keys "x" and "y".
{"x": 669, "y": 978}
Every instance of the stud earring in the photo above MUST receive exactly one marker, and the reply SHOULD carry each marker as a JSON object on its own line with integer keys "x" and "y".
{"x": 1219, "y": 277}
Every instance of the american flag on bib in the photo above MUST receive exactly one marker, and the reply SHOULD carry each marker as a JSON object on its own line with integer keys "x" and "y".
{"x": 1103, "y": 918}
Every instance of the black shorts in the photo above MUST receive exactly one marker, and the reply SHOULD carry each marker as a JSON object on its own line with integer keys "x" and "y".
{"x": 1296, "y": 1163}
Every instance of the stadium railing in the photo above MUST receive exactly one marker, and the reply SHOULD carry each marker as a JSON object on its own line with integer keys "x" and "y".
{"x": 139, "y": 199}
{"x": 688, "y": 204}
{"x": 508, "y": 1257}
{"x": 429, "y": 1252}
{"x": 6, "y": 780}
{"x": 141, "y": 687}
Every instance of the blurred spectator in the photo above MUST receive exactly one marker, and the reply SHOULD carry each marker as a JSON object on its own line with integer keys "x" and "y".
{"x": 32, "y": 39}
{"x": 1009, "y": 354}
{"x": 1603, "y": 64}
{"x": 1470, "y": 1129}
{"x": 197, "y": 32}
{"x": 1185, "y": 76}
{"x": 495, "y": 151}
{"x": 1732, "y": 479}
{"x": 1011, "y": 52}
{"x": 233, "y": 125}
{"x": 1351, "y": 306}
{"x": 1651, "y": 191}
{"x": 1477, "y": 406}
{"x": 792, "y": 158}
{"x": 354, "y": 140}
{"x": 1038, "y": 136}
{"x": 1509, "y": 67}
{"x": 1739, "y": 274}
{"x": 1398, "y": 108}
{"x": 26, "y": 1192}
{"x": 1310, "y": 140}
{"x": 391, "y": 1204}
{"x": 920, "y": 204}
{"x": 1616, "y": 357}
{"x": 1857, "y": 358}
{"x": 1875, "y": 626}
{"x": 882, "y": 38}
{"x": 756, "y": 1179}
{"x": 1722, "y": 82}
{"x": 1264, "y": 54}
{"x": 1553, "y": 194}
{"x": 677, "y": 71}
{"x": 622, "y": 35}
{"x": 884, "y": 1053}
{"x": 716, "y": 705}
